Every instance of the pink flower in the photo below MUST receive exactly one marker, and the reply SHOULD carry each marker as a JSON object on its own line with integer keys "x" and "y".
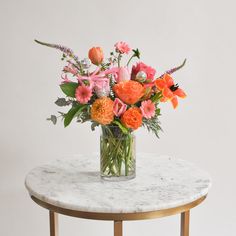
{"x": 119, "y": 107}
{"x": 148, "y": 109}
{"x": 123, "y": 74}
{"x": 122, "y": 47}
{"x": 102, "y": 87}
{"x": 83, "y": 94}
{"x": 140, "y": 66}
{"x": 71, "y": 69}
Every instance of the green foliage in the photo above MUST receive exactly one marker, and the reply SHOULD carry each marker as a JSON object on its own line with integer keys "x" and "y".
{"x": 73, "y": 112}
{"x": 121, "y": 126}
{"x": 156, "y": 98}
{"x": 153, "y": 124}
{"x": 84, "y": 115}
{"x": 136, "y": 53}
{"x": 69, "y": 89}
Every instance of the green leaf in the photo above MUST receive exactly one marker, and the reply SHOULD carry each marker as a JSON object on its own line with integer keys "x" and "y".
{"x": 158, "y": 112}
{"x": 74, "y": 111}
{"x": 156, "y": 97}
{"x": 122, "y": 127}
{"x": 136, "y": 53}
{"x": 69, "y": 89}
{"x": 153, "y": 124}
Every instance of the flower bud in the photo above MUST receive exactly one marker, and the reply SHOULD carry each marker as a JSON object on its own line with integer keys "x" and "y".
{"x": 123, "y": 74}
{"x": 96, "y": 55}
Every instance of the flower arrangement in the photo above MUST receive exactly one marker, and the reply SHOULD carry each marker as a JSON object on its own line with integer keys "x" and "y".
{"x": 118, "y": 97}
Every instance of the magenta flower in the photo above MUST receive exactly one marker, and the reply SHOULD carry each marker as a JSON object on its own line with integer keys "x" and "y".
{"x": 123, "y": 74}
{"x": 148, "y": 109}
{"x": 83, "y": 94}
{"x": 122, "y": 47}
{"x": 119, "y": 107}
{"x": 140, "y": 66}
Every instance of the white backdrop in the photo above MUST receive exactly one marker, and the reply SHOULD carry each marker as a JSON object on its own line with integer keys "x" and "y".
{"x": 201, "y": 130}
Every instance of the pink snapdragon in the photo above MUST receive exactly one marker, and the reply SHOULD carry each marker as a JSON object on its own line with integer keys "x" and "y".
{"x": 119, "y": 107}
{"x": 83, "y": 94}
{"x": 122, "y": 47}
{"x": 148, "y": 109}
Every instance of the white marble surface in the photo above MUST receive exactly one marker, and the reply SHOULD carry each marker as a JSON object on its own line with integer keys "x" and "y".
{"x": 161, "y": 182}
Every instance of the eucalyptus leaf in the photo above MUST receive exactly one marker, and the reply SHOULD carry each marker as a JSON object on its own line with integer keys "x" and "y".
{"x": 53, "y": 118}
{"x": 61, "y": 102}
{"x": 94, "y": 125}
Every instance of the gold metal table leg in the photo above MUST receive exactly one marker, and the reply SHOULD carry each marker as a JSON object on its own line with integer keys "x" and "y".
{"x": 118, "y": 228}
{"x": 185, "y": 223}
{"x": 53, "y": 219}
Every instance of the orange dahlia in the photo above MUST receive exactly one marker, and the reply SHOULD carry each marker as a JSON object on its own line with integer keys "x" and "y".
{"x": 132, "y": 118}
{"x": 129, "y": 91}
{"x": 102, "y": 111}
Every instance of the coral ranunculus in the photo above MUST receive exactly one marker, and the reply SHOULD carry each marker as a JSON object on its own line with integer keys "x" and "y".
{"x": 102, "y": 111}
{"x": 132, "y": 118}
{"x": 129, "y": 91}
{"x": 140, "y": 66}
{"x": 96, "y": 55}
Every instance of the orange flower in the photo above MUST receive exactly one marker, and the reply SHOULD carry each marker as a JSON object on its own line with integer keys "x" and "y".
{"x": 102, "y": 111}
{"x": 169, "y": 89}
{"x": 132, "y": 118}
{"x": 129, "y": 91}
{"x": 96, "y": 55}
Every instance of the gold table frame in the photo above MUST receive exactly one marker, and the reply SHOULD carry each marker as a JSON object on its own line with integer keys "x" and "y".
{"x": 118, "y": 218}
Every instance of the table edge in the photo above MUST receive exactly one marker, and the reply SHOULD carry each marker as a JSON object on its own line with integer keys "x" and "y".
{"x": 119, "y": 216}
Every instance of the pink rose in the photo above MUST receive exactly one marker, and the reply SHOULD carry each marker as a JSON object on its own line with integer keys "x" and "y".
{"x": 123, "y": 74}
{"x": 122, "y": 47}
{"x": 119, "y": 107}
{"x": 140, "y": 66}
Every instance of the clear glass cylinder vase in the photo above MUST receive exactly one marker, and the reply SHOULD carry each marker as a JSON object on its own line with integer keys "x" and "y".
{"x": 117, "y": 154}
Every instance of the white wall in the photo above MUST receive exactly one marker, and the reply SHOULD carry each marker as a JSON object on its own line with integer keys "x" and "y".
{"x": 201, "y": 130}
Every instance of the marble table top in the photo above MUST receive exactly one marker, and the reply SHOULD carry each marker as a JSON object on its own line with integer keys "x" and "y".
{"x": 161, "y": 182}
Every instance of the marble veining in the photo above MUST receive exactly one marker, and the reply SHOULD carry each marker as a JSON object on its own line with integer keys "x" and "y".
{"x": 161, "y": 182}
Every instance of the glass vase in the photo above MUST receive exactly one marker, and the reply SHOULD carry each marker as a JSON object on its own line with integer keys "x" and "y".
{"x": 117, "y": 154}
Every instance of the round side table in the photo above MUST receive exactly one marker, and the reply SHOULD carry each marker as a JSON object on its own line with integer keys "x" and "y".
{"x": 163, "y": 186}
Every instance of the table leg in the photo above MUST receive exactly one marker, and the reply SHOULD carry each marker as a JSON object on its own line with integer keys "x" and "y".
{"x": 185, "y": 223}
{"x": 117, "y": 228}
{"x": 53, "y": 219}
